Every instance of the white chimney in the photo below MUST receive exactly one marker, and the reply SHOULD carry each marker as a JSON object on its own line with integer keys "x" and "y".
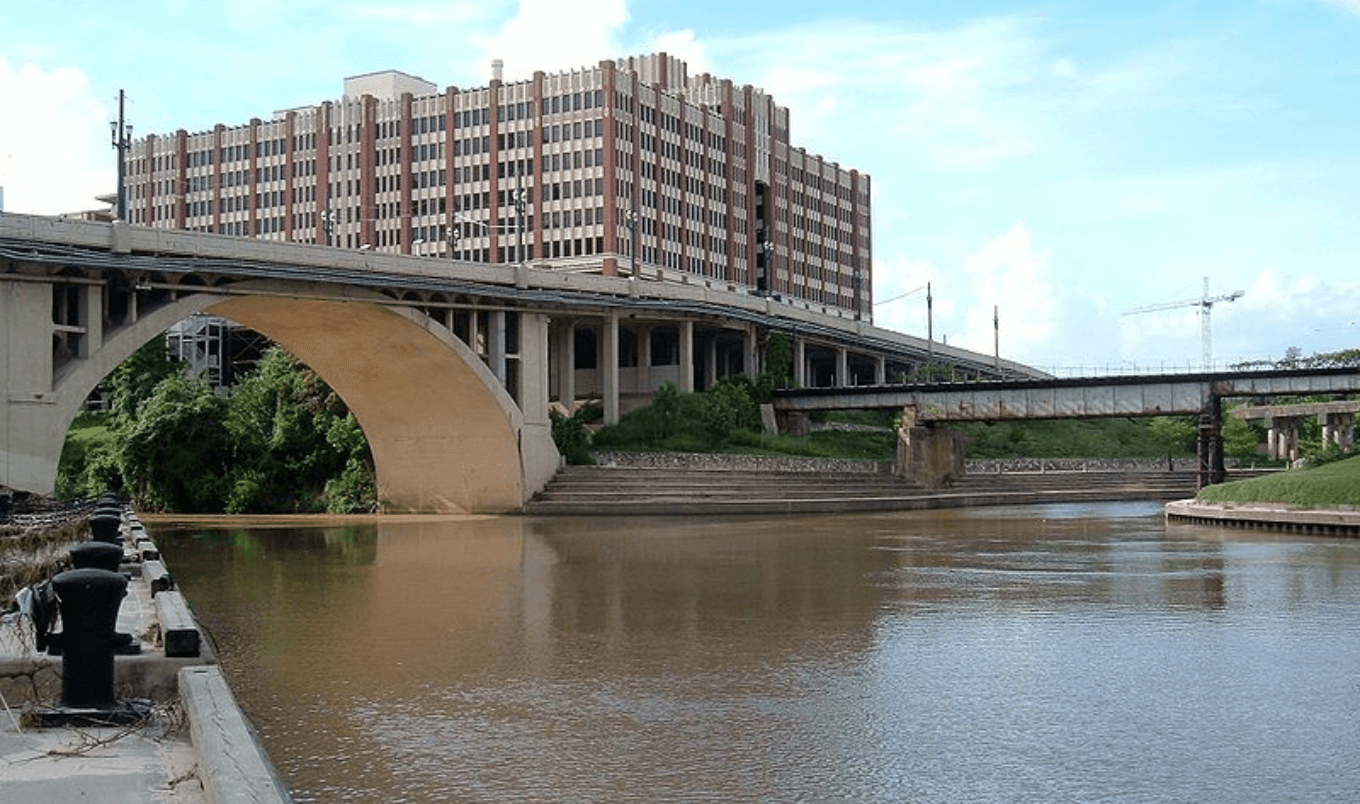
{"x": 497, "y": 69}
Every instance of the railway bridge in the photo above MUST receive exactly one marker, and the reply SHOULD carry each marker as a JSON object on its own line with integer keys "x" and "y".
{"x": 936, "y": 453}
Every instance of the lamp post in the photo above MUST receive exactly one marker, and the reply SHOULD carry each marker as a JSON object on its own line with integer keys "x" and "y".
{"x": 766, "y": 277}
{"x": 519, "y": 218}
{"x": 453, "y": 233}
{"x": 122, "y": 141}
{"x": 632, "y": 221}
{"x": 328, "y": 223}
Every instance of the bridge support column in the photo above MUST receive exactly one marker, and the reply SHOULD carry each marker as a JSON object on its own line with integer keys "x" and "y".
{"x": 29, "y": 448}
{"x": 92, "y": 319}
{"x": 686, "y": 357}
{"x": 1282, "y": 438}
{"x": 1209, "y": 446}
{"x": 929, "y": 456}
{"x": 533, "y": 367}
{"x": 566, "y": 366}
{"x": 842, "y": 366}
{"x": 644, "y": 359}
{"x": 799, "y": 363}
{"x": 880, "y": 370}
{"x": 495, "y": 344}
{"x": 1338, "y": 429}
{"x": 750, "y": 352}
{"x": 538, "y": 453}
{"x": 711, "y": 362}
{"x": 609, "y": 367}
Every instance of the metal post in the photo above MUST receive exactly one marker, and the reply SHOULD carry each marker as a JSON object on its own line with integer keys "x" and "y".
{"x": 328, "y": 222}
{"x": 633, "y": 231}
{"x": 930, "y": 324}
{"x": 767, "y": 249}
{"x": 519, "y": 213}
{"x": 122, "y": 141}
{"x": 996, "y": 336}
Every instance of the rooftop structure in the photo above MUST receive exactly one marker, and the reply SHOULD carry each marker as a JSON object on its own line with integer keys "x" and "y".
{"x": 628, "y": 167}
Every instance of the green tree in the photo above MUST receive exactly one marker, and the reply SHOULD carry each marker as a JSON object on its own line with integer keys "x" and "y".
{"x": 730, "y": 407}
{"x": 135, "y": 379}
{"x": 176, "y": 455}
{"x": 1176, "y": 433}
{"x": 778, "y": 367}
{"x": 297, "y": 445}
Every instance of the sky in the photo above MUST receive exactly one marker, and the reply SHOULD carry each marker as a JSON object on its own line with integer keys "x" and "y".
{"x": 1059, "y": 165}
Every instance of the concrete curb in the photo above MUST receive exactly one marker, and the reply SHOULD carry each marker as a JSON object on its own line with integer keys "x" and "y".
{"x": 232, "y": 765}
{"x": 1265, "y": 516}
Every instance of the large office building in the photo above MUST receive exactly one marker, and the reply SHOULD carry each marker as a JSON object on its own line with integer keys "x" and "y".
{"x": 628, "y": 167}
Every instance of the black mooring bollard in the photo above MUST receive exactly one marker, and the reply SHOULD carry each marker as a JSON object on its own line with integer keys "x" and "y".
{"x": 99, "y": 555}
{"x": 89, "y": 600}
{"x": 104, "y": 528}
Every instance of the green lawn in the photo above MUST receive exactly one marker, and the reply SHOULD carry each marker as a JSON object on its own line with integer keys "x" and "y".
{"x": 1327, "y": 486}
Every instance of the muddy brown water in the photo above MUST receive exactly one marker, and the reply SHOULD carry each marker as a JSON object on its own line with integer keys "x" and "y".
{"x": 1061, "y": 653}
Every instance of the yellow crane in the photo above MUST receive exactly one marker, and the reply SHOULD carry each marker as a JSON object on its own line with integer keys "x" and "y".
{"x": 1205, "y": 303}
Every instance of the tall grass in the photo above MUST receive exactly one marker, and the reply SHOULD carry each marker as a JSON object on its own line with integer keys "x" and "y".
{"x": 1328, "y": 486}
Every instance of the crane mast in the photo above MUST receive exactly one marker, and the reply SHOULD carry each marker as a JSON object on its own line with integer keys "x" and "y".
{"x": 1205, "y": 303}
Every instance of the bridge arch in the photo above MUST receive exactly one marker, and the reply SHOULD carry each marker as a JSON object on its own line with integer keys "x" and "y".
{"x": 446, "y": 436}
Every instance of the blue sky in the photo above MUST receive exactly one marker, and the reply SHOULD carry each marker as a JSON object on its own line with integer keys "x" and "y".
{"x": 1064, "y": 161}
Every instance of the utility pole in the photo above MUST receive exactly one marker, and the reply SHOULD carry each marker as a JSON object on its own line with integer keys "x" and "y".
{"x": 122, "y": 142}
{"x": 996, "y": 336}
{"x": 930, "y": 324}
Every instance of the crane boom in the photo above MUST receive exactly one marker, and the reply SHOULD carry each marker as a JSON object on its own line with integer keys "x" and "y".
{"x": 1205, "y": 303}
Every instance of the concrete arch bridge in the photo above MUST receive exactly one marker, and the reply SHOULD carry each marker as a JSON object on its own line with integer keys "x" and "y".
{"x": 450, "y": 367}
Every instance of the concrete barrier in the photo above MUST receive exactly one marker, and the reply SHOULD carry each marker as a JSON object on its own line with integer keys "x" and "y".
{"x": 231, "y": 763}
{"x": 179, "y": 631}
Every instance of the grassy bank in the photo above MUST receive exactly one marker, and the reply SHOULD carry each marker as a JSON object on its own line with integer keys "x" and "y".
{"x": 1328, "y": 486}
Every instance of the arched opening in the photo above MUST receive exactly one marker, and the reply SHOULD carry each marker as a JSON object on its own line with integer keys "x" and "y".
{"x": 445, "y": 436}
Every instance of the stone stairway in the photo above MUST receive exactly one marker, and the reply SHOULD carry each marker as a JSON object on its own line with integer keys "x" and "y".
{"x": 612, "y": 491}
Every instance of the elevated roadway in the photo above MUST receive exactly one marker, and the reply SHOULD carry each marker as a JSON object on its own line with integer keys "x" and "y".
{"x": 449, "y": 366}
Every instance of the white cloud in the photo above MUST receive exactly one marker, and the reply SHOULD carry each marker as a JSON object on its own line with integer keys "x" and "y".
{"x": 684, "y": 45}
{"x": 423, "y": 15}
{"x": 1352, "y": 6}
{"x": 1010, "y": 274}
{"x": 900, "y": 289}
{"x": 552, "y": 35}
{"x": 1063, "y": 68}
{"x": 55, "y": 152}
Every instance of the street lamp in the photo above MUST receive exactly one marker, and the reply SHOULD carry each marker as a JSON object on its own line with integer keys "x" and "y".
{"x": 328, "y": 223}
{"x": 453, "y": 233}
{"x": 632, "y": 221}
{"x": 519, "y": 218}
{"x": 766, "y": 276}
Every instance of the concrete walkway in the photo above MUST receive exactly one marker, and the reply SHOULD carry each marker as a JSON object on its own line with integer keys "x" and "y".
{"x": 193, "y": 747}
{"x": 1266, "y": 516}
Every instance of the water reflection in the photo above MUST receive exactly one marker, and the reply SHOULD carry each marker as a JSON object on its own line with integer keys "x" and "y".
{"x": 1050, "y": 653}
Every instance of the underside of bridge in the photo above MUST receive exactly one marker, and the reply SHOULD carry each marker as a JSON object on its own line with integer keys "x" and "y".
{"x": 446, "y": 436}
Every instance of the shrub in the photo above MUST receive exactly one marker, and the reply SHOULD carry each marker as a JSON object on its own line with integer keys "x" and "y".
{"x": 570, "y": 435}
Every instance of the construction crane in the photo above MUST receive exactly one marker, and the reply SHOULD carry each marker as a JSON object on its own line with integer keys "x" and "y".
{"x": 1205, "y": 303}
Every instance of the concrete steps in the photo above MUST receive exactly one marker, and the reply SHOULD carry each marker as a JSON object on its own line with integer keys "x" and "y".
{"x": 610, "y": 491}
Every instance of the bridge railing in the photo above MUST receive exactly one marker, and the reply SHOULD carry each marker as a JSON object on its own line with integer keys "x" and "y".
{"x": 1131, "y": 369}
